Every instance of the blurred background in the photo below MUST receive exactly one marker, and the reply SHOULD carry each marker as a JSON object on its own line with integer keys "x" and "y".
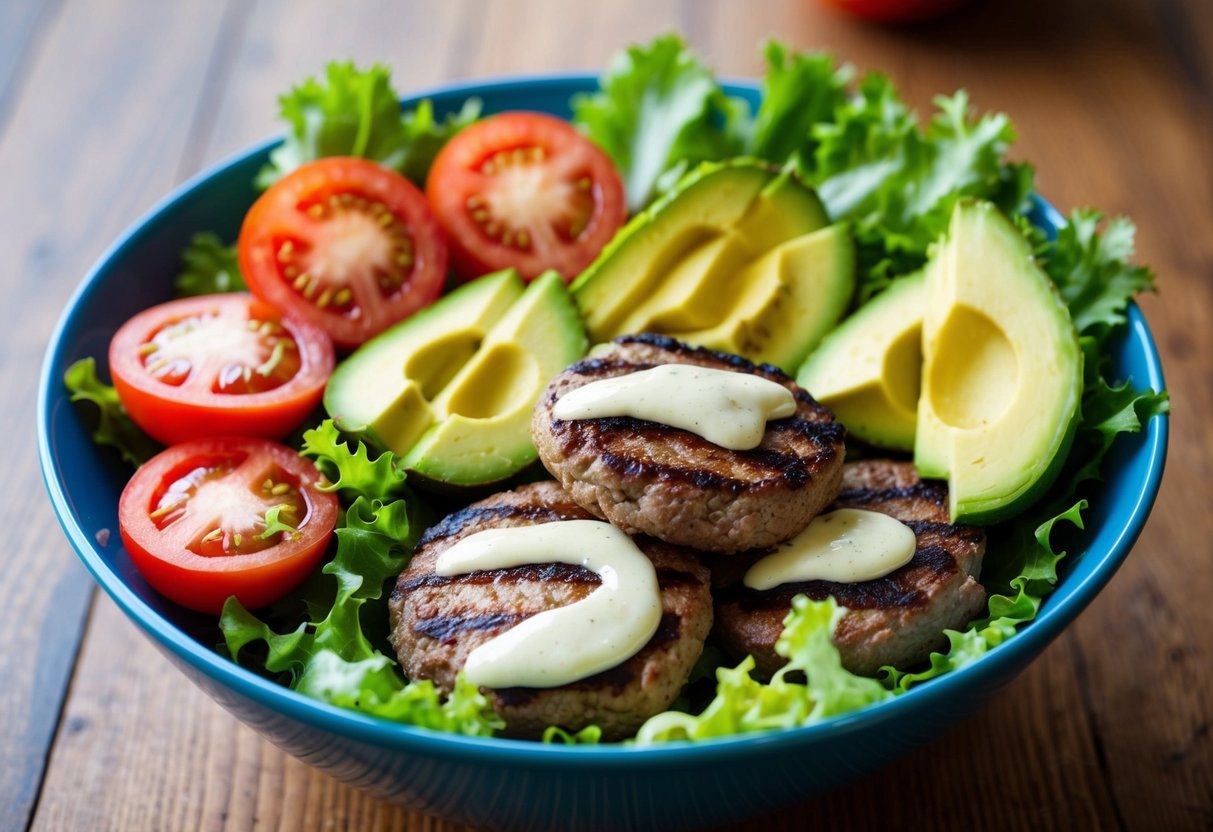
{"x": 107, "y": 105}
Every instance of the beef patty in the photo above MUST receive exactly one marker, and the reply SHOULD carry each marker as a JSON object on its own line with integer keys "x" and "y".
{"x": 894, "y": 620}
{"x": 649, "y": 478}
{"x": 437, "y": 621}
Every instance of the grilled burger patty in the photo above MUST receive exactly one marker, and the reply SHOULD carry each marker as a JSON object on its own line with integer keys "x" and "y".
{"x": 650, "y": 478}
{"x": 437, "y": 621}
{"x": 895, "y": 620}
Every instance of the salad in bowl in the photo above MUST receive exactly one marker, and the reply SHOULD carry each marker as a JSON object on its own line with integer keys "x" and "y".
{"x": 369, "y": 360}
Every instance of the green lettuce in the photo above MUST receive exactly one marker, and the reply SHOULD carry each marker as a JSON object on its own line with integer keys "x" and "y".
{"x": 743, "y": 704}
{"x": 355, "y": 112}
{"x": 659, "y": 113}
{"x": 209, "y": 267}
{"x": 351, "y": 470}
{"x": 114, "y": 427}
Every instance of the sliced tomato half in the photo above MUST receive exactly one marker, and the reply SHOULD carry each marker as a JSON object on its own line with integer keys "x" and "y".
{"x": 212, "y": 518}
{"x": 219, "y": 365}
{"x": 345, "y": 244}
{"x": 525, "y": 190}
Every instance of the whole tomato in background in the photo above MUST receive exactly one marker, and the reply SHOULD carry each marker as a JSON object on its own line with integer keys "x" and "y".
{"x": 897, "y": 11}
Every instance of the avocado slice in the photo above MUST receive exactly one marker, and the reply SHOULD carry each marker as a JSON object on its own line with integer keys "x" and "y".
{"x": 1002, "y": 370}
{"x": 868, "y": 370}
{"x": 451, "y": 388}
{"x": 684, "y": 265}
{"x": 785, "y": 301}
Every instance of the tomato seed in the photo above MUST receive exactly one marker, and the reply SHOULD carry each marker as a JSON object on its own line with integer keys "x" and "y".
{"x": 325, "y": 297}
{"x": 341, "y": 299}
{"x": 280, "y": 489}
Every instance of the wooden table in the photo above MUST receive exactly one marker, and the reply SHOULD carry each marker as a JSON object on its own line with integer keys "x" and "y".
{"x": 105, "y": 106}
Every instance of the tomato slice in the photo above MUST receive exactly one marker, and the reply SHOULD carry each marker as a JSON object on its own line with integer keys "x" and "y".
{"x": 346, "y": 244}
{"x": 194, "y": 521}
{"x": 218, "y": 365}
{"x": 525, "y": 190}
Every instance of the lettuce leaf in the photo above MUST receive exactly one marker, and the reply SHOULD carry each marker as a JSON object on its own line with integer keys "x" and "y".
{"x": 898, "y": 184}
{"x": 660, "y": 112}
{"x": 355, "y": 112}
{"x": 743, "y": 704}
{"x": 799, "y": 90}
{"x": 351, "y": 470}
{"x": 1092, "y": 271}
{"x": 114, "y": 427}
{"x": 209, "y": 267}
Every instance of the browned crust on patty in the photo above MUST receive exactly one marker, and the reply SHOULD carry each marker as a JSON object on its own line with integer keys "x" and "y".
{"x": 437, "y": 621}
{"x": 894, "y": 620}
{"x": 653, "y": 479}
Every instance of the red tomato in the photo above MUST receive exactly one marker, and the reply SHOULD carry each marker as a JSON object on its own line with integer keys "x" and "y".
{"x": 218, "y": 365}
{"x": 193, "y": 520}
{"x": 897, "y": 11}
{"x": 346, "y": 244}
{"x": 525, "y": 190}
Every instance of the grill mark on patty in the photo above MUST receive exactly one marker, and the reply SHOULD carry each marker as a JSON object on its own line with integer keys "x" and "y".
{"x": 493, "y": 515}
{"x": 616, "y": 678}
{"x": 888, "y": 592}
{"x": 566, "y": 573}
{"x": 446, "y": 628}
{"x": 784, "y": 466}
{"x": 935, "y": 493}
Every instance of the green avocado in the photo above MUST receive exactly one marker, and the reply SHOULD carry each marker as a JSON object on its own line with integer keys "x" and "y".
{"x": 728, "y": 259}
{"x": 451, "y": 389}
{"x": 1002, "y": 370}
{"x": 868, "y": 370}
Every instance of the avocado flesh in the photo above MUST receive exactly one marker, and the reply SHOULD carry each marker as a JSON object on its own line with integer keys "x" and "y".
{"x": 786, "y": 300}
{"x": 868, "y": 370}
{"x": 675, "y": 266}
{"x": 445, "y": 388}
{"x": 1002, "y": 370}
{"x": 482, "y": 427}
{"x": 383, "y": 390}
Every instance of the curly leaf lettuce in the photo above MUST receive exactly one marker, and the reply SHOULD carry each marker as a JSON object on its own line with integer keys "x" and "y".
{"x": 352, "y": 471}
{"x": 114, "y": 427}
{"x": 209, "y": 267}
{"x": 799, "y": 90}
{"x": 659, "y": 113}
{"x": 743, "y": 704}
{"x": 355, "y": 112}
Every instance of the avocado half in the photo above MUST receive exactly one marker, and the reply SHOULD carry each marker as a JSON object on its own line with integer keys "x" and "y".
{"x": 868, "y": 370}
{"x": 451, "y": 389}
{"x": 738, "y": 257}
{"x": 1002, "y": 370}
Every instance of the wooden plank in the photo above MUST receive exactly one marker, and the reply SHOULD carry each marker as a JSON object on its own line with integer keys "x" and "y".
{"x": 82, "y": 158}
{"x": 22, "y": 22}
{"x": 1108, "y": 729}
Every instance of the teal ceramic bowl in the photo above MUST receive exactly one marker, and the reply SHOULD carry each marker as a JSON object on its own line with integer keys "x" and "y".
{"x": 506, "y": 784}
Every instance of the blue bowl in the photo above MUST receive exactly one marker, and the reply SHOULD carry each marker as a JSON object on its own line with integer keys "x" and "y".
{"x": 505, "y": 783}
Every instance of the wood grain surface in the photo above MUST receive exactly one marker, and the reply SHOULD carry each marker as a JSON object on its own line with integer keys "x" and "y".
{"x": 105, "y": 106}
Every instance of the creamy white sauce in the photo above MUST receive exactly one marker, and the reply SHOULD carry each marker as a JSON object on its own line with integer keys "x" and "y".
{"x": 726, "y": 408}
{"x": 847, "y": 546}
{"x": 562, "y": 645}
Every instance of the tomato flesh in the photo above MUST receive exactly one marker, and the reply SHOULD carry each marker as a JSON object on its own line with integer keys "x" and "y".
{"x": 528, "y": 191}
{"x": 218, "y": 365}
{"x": 194, "y": 521}
{"x": 346, "y": 244}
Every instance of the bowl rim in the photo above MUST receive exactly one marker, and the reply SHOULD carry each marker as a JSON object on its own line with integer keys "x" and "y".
{"x": 382, "y": 733}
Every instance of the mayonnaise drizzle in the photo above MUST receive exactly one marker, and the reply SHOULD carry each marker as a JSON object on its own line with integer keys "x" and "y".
{"x": 847, "y": 545}
{"x": 726, "y": 408}
{"x": 562, "y": 645}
